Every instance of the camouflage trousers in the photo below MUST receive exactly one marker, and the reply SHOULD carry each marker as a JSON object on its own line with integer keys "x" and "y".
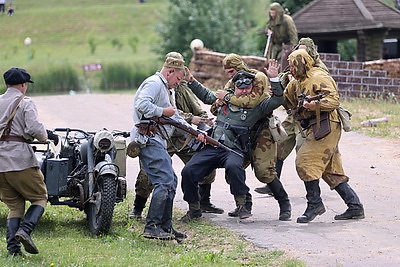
{"x": 321, "y": 158}
{"x": 143, "y": 185}
{"x": 264, "y": 156}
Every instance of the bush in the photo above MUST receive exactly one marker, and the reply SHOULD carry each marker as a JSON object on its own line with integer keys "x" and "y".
{"x": 120, "y": 76}
{"x": 60, "y": 79}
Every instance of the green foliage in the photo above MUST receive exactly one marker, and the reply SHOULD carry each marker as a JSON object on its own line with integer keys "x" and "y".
{"x": 120, "y": 76}
{"x": 347, "y": 49}
{"x": 215, "y": 22}
{"x": 116, "y": 43}
{"x": 293, "y": 5}
{"x": 133, "y": 42}
{"x": 60, "y": 79}
{"x": 93, "y": 45}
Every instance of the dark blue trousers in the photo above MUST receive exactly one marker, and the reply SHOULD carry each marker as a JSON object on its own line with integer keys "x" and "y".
{"x": 207, "y": 160}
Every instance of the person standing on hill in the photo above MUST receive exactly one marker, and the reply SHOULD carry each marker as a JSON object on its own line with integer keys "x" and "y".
{"x": 283, "y": 31}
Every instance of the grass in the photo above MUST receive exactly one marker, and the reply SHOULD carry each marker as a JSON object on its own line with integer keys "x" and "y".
{"x": 366, "y": 109}
{"x": 64, "y": 240}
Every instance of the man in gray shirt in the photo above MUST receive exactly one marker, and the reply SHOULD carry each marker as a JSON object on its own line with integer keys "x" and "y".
{"x": 20, "y": 176}
{"x": 155, "y": 98}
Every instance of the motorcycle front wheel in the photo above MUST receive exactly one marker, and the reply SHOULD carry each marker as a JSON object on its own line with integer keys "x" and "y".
{"x": 100, "y": 208}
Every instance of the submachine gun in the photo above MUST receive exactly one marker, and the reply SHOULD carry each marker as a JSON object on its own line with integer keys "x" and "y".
{"x": 166, "y": 120}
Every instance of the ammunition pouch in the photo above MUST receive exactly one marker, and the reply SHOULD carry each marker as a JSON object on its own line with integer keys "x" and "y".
{"x": 147, "y": 127}
{"x": 324, "y": 126}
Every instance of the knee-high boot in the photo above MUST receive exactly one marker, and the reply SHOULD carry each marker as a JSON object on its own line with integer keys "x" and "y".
{"x": 26, "y": 227}
{"x": 13, "y": 245}
{"x": 167, "y": 220}
{"x": 205, "y": 203}
{"x": 282, "y": 197}
{"x": 314, "y": 202}
{"x": 154, "y": 219}
{"x": 138, "y": 206}
{"x": 355, "y": 208}
{"x": 265, "y": 189}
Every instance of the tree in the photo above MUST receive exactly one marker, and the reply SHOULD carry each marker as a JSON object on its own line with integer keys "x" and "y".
{"x": 293, "y": 5}
{"x": 220, "y": 24}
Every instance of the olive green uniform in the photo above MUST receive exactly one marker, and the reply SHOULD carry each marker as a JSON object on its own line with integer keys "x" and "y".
{"x": 284, "y": 31}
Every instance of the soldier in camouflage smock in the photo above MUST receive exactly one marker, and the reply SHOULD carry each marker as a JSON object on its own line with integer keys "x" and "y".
{"x": 319, "y": 158}
{"x": 292, "y": 126}
{"x": 188, "y": 108}
{"x": 283, "y": 30}
{"x": 263, "y": 155}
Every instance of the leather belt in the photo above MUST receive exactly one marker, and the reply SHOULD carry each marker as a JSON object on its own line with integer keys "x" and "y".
{"x": 14, "y": 138}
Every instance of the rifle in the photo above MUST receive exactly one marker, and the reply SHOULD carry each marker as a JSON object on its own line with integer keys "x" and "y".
{"x": 307, "y": 98}
{"x": 267, "y": 45}
{"x": 166, "y": 120}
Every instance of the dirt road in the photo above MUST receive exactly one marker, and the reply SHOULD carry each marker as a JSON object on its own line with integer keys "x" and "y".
{"x": 371, "y": 163}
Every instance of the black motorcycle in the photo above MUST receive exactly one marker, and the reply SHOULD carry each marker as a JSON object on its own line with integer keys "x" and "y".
{"x": 85, "y": 171}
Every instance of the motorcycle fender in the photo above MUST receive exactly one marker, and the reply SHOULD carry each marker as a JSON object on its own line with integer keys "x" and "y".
{"x": 105, "y": 167}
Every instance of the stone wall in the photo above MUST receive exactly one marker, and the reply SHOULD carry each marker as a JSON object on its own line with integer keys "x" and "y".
{"x": 377, "y": 79}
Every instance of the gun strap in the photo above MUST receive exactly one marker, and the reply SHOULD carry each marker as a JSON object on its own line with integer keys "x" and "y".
{"x": 7, "y": 129}
{"x": 318, "y": 114}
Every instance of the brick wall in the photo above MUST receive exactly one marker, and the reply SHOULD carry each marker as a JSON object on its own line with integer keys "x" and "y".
{"x": 363, "y": 79}
{"x": 377, "y": 79}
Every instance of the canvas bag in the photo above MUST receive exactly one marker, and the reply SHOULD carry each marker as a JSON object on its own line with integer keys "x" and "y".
{"x": 277, "y": 131}
{"x": 345, "y": 117}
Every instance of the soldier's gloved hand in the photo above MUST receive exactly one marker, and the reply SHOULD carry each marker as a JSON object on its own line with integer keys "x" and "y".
{"x": 52, "y": 136}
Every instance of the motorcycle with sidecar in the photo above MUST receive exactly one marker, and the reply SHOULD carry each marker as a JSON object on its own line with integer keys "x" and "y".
{"x": 85, "y": 170}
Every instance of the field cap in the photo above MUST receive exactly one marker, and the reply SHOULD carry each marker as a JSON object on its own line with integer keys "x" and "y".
{"x": 174, "y": 55}
{"x": 17, "y": 76}
{"x": 175, "y": 63}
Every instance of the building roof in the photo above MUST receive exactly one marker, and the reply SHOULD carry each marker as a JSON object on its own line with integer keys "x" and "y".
{"x": 323, "y": 17}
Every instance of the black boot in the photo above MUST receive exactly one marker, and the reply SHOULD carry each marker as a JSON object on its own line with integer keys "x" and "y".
{"x": 283, "y": 199}
{"x": 13, "y": 246}
{"x": 355, "y": 208}
{"x": 167, "y": 221}
{"x": 314, "y": 202}
{"x": 278, "y": 167}
{"x": 263, "y": 190}
{"x": 28, "y": 224}
{"x": 205, "y": 204}
{"x": 138, "y": 206}
{"x": 248, "y": 204}
{"x": 193, "y": 213}
{"x": 154, "y": 219}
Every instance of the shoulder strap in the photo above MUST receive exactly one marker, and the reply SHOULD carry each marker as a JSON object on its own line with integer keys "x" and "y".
{"x": 9, "y": 121}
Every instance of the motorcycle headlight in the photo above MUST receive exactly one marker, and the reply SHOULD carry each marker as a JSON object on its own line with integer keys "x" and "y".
{"x": 103, "y": 140}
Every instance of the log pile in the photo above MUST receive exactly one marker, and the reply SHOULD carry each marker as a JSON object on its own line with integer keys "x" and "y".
{"x": 392, "y": 66}
{"x": 206, "y": 67}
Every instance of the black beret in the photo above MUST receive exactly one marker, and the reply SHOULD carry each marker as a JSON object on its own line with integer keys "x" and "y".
{"x": 17, "y": 76}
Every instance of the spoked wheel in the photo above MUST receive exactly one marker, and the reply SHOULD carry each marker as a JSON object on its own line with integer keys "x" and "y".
{"x": 100, "y": 208}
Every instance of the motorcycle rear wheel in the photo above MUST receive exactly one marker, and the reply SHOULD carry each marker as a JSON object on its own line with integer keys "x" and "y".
{"x": 100, "y": 209}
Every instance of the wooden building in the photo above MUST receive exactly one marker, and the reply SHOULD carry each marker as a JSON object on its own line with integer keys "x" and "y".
{"x": 367, "y": 21}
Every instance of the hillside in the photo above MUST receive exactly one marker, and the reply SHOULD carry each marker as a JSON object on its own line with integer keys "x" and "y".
{"x": 61, "y": 30}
